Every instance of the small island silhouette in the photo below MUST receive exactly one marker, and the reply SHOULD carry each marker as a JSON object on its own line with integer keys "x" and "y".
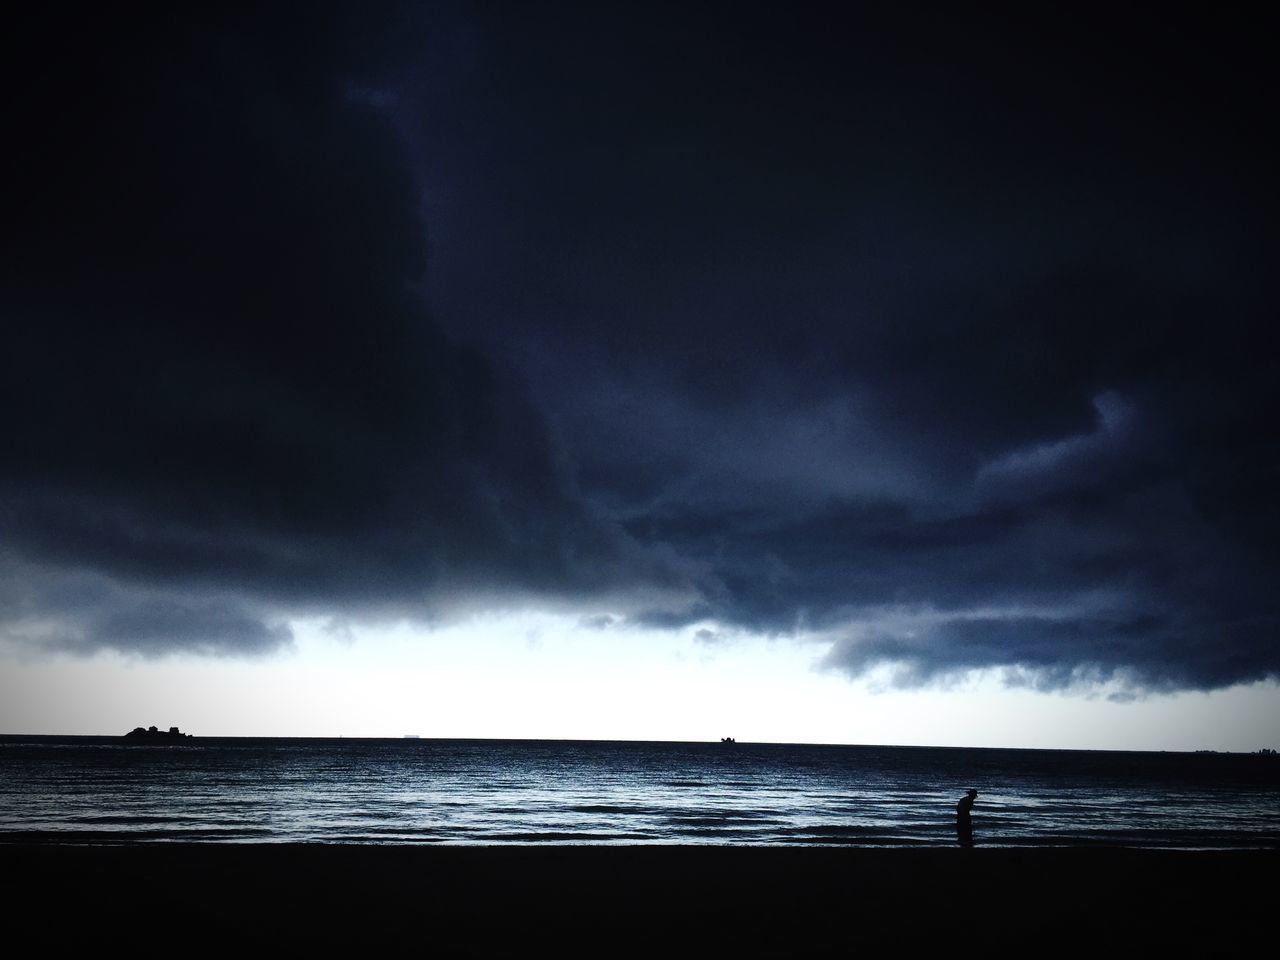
{"x": 153, "y": 735}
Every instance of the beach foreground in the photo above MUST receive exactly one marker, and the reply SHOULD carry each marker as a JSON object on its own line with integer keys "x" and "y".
{"x": 483, "y": 901}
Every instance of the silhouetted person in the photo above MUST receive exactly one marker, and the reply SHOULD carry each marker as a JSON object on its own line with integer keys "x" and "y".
{"x": 964, "y": 824}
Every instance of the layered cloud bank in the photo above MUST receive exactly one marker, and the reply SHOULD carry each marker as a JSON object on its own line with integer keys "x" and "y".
{"x": 935, "y": 338}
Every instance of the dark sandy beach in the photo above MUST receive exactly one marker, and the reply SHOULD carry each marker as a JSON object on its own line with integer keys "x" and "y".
{"x": 486, "y": 901}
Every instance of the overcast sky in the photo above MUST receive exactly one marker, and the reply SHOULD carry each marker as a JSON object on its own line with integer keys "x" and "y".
{"x": 806, "y": 365}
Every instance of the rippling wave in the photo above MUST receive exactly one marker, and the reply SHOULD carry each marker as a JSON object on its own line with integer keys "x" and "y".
{"x": 99, "y": 790}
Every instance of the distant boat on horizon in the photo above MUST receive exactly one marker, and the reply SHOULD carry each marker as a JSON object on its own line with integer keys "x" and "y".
{"x": 155, "y": 735}
{"x": 728, "y": 740}
{"x": 412, "y": 736}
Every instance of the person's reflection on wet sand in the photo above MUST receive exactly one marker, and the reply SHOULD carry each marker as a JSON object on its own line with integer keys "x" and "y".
{"x": 964, "y": 823}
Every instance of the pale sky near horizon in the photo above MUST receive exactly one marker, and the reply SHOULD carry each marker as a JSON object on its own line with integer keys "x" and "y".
{"x": 551, "y": 677}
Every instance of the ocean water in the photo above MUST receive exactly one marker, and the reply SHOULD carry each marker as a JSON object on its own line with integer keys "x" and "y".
{"x": 102, "y": 790}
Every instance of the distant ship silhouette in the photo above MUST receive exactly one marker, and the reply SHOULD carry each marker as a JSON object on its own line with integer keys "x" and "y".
{"x": 152, "y": 735}
{"x": 728, "y": 740}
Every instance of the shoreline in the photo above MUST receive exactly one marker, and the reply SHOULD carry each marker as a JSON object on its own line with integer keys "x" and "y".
{"x": 585, "y": 899}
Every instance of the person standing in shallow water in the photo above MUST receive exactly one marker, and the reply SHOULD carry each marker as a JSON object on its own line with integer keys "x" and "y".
{"x": 964, "y": 825}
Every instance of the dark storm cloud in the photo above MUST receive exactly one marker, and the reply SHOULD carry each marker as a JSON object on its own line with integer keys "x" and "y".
{"x": 929, "y": 333}
{"x": 218, "y": 372}
{"x": 933, "y": 332}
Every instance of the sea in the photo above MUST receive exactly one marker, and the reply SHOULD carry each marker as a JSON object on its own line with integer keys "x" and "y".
{"x": 105, "y": 790}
